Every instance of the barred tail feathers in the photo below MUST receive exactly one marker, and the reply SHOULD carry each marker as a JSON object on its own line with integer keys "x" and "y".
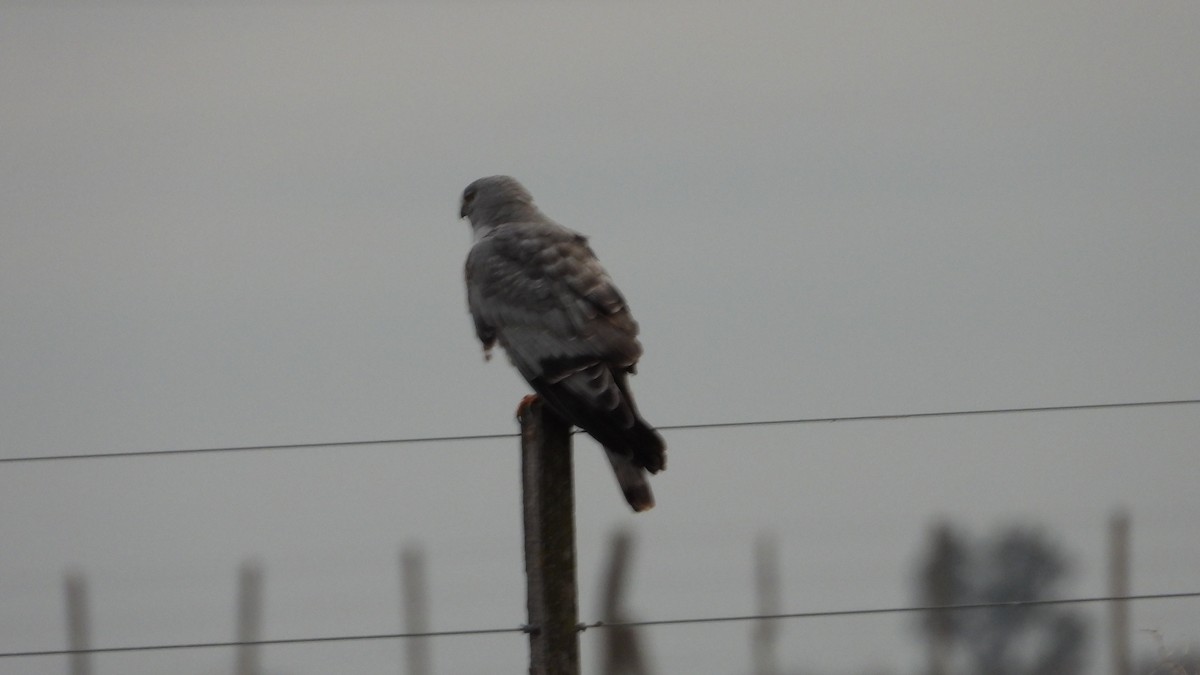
{"x": 632, "y": 479}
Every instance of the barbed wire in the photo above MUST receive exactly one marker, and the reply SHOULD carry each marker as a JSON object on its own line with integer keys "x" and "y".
{"x": 670, "y": 427}
{"x": 607, "y": 624}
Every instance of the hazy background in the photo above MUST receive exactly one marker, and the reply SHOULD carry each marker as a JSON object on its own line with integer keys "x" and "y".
{"x": 228, "y": 224}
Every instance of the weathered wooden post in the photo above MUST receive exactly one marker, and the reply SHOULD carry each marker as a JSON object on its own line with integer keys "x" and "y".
{"x": 416, "y": 612}
{"x": 249, "y": 619}
{"x": 766, "y": 582}
{"x": 621, "y": 648}
{"x": 1118, "y": 587}
{"x": 78, "y": 629}
{"x": 548, "y": 490}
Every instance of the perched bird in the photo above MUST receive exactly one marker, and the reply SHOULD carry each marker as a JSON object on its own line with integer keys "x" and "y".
{"x": 536, "y": 288}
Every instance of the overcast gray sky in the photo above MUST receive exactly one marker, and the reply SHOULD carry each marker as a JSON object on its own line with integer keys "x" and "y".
{"x": 234, "y": 224}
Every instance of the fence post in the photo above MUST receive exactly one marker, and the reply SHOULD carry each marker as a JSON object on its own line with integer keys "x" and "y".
{"x": 621, "y": 647}
{"x": 249, "y": 619}
{"x": 412, "y": 581}
{"x": 1118, "y": 587}
{"x": 548, "y": 497}
{"x": 78, "y": 629}
{"x": 766, "y": 582}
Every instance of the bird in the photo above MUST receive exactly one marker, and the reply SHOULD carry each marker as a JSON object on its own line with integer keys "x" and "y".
{"x": 537, "y": 288}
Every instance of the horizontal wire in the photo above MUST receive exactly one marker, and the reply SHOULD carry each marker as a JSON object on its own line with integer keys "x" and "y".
{"x": 673, "y": 427}
{"x": 253, "y": 448}
{"x": 607, "y": 624}
{"x": 950, "y": 413}
{"x": 888, "y": 610}
{"x": 256, "y": 643}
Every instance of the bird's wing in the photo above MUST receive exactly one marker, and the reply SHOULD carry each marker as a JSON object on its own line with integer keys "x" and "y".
{"x": 539, "y": 289}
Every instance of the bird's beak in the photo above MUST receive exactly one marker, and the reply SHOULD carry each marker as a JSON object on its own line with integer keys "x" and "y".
{"x": 464, "y": 206}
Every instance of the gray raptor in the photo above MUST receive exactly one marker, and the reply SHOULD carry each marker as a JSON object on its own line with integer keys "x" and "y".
{"x": 536, "y": 288}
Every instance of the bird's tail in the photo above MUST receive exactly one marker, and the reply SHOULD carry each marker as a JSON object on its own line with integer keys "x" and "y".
{"x": 632, "y": 479}
{"x": 647, "y": 446}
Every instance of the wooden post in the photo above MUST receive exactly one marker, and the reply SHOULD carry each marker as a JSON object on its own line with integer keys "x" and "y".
{"x": 549, "y": 508}
{"x": 249, "y": 623}
{"x": 1118, "y": 587}
{"x": 621, "y": 648}
{"x": 78, "y": 633}
{"x": 412, "y": 580}
{"x": 766, "y": 583}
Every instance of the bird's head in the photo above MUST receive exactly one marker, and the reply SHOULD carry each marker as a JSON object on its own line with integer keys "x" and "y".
{"x": 494, "y": 200}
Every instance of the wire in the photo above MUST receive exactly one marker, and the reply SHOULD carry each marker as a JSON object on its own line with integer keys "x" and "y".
{"x": 607, "y": 624}
{"x": 674, "y": 427}
{"x": 669, "y": 428}
{"x": 253, "y": 448}
{"x": 950, "y": 413}
{"x": 256, "y": 643}
{"x": 888, "y": 610}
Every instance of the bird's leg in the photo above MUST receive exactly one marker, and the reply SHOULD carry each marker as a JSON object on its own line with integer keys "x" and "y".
{"x": 524, "y": 406}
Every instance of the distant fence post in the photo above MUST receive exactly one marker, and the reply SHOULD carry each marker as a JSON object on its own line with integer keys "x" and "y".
{"x": 549, "y": 513}
{"x": 621, "y": 647}
{"x": 249, "y": 619}
{"x": 412, "y": 581}
{"x": 1118, "y": 587}
{"x": 78, "y": 630}
{"x": 766, "y": 582}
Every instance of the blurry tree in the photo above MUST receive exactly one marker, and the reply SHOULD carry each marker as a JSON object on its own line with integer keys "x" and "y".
{"x": 1018, "y": 563}
{"x": 941, "y": 583}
